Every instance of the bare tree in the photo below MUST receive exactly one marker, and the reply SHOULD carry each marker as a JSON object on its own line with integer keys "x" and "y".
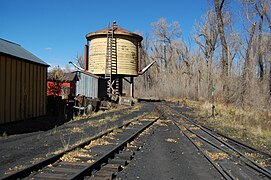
{"x": 172, "y": 55}
{"x": 236, "y": 61}
{"x": 56, "y": 75}
{"x": 79, "y": 61}
{"x": 219, "y": 15}
{"x": 259, "y": 11}
{"x": 235, "y": 46}
{"x": 259, "y": 8}
{"x": 247, "y": 74}
{"x": 148, "y": 81}
{"x": 206, "y": 37}
{"x": 164, "y": 33}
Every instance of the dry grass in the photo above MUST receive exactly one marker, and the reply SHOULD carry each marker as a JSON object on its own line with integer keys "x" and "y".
{"x": 223, "y": 139}
{"x": 66, "y": 135}
{"x": 192, "y": 135}
{"x": 4, "y": 135}
{"x": 136, "y": 123}
{"x": 146, "y": 132}
{"x": 95, "y": 114}
{"x": 73, "y": 156}
{"x": 112, "y": 134}
{"x": 36, "y": 160}
{"x": 152, "y": 115}
{"x": 163, "y": 123}
{"x": 259, "y": 159}
{"x": 216, "y": 156}
{"x": 174, "y": 99}
{"x": 247, "y": 125}
{"x": 264, "y": 162}
{"x": 172, "y": 140}
{"x": 76, "y": 130}
{"x": 100, "y": 141}
{"x": 69, "y": 158}
{"x": 66, "y": 141}
{"x": 253, "y": 155}
{"x": 14, "y": 169}
{"x": 194, "y": 128}
{"x": 198, "y": 143}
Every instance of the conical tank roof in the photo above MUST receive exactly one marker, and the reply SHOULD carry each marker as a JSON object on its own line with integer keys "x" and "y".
{"x": 117, "y": 30}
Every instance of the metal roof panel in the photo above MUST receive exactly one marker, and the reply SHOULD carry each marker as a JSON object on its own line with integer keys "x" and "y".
{"x": 118, "y": 30}
{"x": 16, "y": 50}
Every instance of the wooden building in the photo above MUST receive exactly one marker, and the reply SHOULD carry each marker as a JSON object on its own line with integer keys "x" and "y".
{"x": 22, "y": 83}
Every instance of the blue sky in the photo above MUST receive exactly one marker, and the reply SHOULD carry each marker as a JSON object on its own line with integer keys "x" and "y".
{"x": 54, "y": 30}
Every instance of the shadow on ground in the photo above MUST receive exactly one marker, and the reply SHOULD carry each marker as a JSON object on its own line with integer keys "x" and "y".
{"x": 32, "y": 125}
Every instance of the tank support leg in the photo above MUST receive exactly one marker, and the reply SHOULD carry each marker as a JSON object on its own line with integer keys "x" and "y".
{"x": 132, "y": 87}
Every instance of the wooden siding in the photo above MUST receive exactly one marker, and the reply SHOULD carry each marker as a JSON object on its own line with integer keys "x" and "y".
{"x": 127, "y": 51}
{"x": 22, "y": 89}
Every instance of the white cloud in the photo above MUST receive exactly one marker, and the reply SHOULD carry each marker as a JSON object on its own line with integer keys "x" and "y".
{"x": 48, "y": 49}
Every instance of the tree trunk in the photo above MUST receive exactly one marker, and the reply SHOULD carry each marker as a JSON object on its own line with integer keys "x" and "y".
{"x": 209, "y": 76}
{"x": 269, "y": 24}
{"x": 260, "y": 53}
{"x": 218, "y": 9}
{"x": 267, "y": 17}
{"x": 247, "y": 76}
{"x": 270, "y": 78}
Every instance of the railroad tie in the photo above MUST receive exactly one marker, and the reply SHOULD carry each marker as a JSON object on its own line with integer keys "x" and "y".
{"x": 105, "y": 174}
{"x": 122, "y": 162}
{"x": 112, "y": 167}
{"x": 125, "y": 155}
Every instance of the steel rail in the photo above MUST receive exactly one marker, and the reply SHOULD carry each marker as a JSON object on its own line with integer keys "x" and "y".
{"x": 260, "y": 168}
{"x": 87, "y": 171}
{"x": 209, "y": 142}
{"x": 28, "y": 170}
{"x": 218, "y": 167}
{"x": 224, "y": 136}
{"x": 238, "y": 142}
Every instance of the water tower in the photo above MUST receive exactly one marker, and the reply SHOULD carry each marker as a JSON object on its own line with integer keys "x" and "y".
{"x": 114, "y": 54}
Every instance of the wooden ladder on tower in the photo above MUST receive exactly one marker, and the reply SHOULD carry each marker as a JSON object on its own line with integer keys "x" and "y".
{"x": 111, "y": 62}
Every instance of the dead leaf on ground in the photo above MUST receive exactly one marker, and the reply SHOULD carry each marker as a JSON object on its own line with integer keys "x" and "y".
{"x": 73, "y": 156}
{"x": 259, "y": 159}
{"x": 162, "y": 122}
{"x": 14, "y": 169}
{"x": 100, "y": 141}
{"x": 216, "y": 156}
{"x": 172, "y": 140}
{"x": 192, "y": 135}
{"x": 194, "y": 128}
{"x": 198, "y": 143}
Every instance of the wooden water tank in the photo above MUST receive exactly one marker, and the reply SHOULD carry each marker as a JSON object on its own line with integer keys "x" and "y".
{"x": 127, "y": 51}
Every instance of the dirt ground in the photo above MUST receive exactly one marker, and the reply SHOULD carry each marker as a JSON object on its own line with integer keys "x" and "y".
{"x": 21, "y": 150}
{"x": 167, "y": 154}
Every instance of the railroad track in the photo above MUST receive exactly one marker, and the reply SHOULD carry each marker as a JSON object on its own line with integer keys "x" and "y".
{"x": 98, "y": 158}
{"x": 231, "y": 158}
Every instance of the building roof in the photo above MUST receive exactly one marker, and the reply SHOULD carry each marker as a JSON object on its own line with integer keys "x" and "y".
{"x": 88, "y": 74}
{"x": 117, "y": 30}
{"x": 16, "y": 50}
{"x": 65, "y": 77}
